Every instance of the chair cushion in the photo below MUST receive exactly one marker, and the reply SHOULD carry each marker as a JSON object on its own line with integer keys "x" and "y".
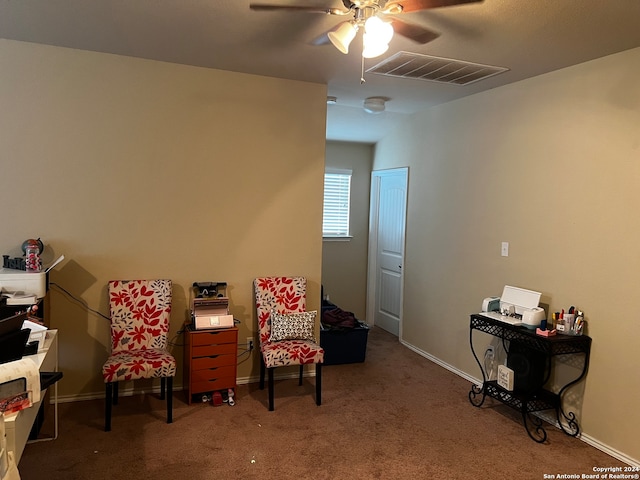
{"x": 135, "y": 364}
{"x": 293, "y": 326}
{"x": 291, "y": 352}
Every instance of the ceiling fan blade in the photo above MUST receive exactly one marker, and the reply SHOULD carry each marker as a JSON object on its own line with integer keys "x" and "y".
{"x": 413, "y": 32}
{"x": 293, "y": 8}
{"x": 416, "y": 5}
{"x": 321, "y": 40}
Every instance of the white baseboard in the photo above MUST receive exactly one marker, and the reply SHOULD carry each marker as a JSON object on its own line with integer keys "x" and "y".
{"x": 444, "y": 365}
{"x": 128, "y": 392}
{"x": 610, "y": 451}
{"x": 584, "y": 437}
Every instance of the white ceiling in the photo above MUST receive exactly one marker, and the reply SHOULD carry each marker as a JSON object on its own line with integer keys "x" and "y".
{"x": 528, "y": 37}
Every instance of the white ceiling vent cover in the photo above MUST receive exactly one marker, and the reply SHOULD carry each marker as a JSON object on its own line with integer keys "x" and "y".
{"x": 435, "y": 69}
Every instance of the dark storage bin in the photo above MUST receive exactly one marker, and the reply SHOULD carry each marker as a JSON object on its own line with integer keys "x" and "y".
{"x": 343, "y": 345}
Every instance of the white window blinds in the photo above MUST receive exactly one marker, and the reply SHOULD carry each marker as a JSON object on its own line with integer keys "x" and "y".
{"x": 337, "y": 194}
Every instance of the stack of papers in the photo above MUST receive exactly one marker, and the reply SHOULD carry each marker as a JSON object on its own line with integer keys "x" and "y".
{"x": 20, "y": 298}
{"x": 38, "y": 333}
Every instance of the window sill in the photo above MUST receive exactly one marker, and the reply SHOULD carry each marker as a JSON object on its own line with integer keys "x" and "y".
{"x": 337, "y": 239}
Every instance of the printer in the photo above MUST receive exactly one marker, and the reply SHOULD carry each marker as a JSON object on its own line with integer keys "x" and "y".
{"x": 517, "y": 302}
{"x": 19, "y": 287}
{"x": 22, "y": 288}
{"x": 211, "y": 313}
{"x": 210, "y": 306}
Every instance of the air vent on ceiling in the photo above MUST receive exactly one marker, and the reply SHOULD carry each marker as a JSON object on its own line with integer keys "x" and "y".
{"x": 435, "y": 69}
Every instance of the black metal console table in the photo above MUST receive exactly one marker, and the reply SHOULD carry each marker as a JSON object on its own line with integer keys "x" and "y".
{"x": 538, "y": 398}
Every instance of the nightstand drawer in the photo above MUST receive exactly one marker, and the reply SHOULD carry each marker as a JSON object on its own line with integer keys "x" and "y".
{"x": 214, "y": 337}
{"x": 212, "y": 385}
{"x": 210, "y": 350}
{"x": 209, "y": 374}
{"x": 210, "y": 361}
{"x": 214, "y": 361}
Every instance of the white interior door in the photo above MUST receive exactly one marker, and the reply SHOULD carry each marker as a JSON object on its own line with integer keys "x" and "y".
{"x": 386, "y": 248}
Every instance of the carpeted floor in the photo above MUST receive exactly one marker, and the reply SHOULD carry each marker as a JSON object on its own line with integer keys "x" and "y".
{"x": 397, "y": 415}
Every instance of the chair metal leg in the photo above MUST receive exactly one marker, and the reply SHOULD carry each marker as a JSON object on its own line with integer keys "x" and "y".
{"x": 169, "y": 384}
{"x": 318, "y": 384}
{"x": 163, "y": 385}
{"x": 271, "y": 407}
{"x": 300, "y": 377}
{"x": 262, "y": 369}
{"x": 108, "y": 397}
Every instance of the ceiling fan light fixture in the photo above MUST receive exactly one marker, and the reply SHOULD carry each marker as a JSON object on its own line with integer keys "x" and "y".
{"x": 372, "y": 48}
{"x": 376, "y": 38}
{"x": 374, "y": 105}
{"x": 382, "y": 31}
{"x": 342, "y": 35}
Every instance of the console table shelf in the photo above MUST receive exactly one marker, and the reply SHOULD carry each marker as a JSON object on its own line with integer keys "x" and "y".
{"x": 541, "y": 400}
{"x": 536, "y": 398}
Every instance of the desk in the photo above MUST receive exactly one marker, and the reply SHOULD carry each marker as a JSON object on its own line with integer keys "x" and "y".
{"x": 19, "y": 424}
{"x": 537, "y": 398}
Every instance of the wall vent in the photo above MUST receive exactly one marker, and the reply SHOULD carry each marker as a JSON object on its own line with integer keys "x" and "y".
{"x": 434, "y": 69}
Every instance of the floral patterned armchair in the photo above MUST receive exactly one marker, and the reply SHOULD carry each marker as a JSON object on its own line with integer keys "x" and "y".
{"x": 139, "y": 312}
{"x": 287, "y": 331}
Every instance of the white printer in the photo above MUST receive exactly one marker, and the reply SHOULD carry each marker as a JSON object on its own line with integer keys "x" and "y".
{"x": 18, "y": 284}
{"x": 516, "y": 303}
{"x": 24, "y": 288}
{"x": 210, "y": 306}
{"x": 211, "y": 313}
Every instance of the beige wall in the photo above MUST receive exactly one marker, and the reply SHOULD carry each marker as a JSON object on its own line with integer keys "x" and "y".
{"x": 344, "y": 263}
{"x": 135, "y": 168}
{"x": 550, "y": 165}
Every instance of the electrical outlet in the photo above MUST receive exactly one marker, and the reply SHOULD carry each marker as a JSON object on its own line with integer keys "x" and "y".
{"x": 249, "y": 343}
{"x": 490, "y": 352}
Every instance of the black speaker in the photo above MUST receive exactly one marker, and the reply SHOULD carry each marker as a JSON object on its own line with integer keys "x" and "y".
{"x": 528, "y": 365}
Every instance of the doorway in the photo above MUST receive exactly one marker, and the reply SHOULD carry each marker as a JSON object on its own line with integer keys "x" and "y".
{"x": 387, "y": 229}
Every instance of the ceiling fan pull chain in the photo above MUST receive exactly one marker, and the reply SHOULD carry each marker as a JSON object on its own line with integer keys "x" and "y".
{"x": 362, "y": 80}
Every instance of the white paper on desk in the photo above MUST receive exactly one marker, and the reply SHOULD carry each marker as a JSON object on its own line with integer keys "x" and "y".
{"x": 20, "y": 298}
{"x": 33, "y": 326}
{"x": 38, "y": 333}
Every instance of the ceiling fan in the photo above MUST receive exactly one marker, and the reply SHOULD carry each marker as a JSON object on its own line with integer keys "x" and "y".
{"x": 371, "y": 15}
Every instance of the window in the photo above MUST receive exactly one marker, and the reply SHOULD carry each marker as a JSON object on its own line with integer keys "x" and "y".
{"x": 337, "y": 193}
